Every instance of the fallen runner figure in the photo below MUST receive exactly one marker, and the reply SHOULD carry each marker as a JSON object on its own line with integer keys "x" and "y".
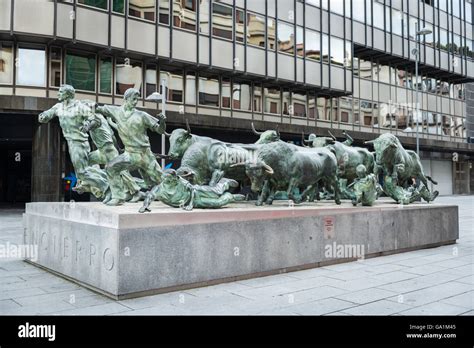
{"x": 177, "y": 192}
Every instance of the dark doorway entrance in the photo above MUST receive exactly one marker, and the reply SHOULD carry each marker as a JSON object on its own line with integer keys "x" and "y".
{"x": 15, "y": 172}
{"x": 16, "y": 134}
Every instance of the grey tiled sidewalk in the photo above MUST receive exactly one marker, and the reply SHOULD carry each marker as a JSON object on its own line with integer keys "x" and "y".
{"x": 438, "y": 281}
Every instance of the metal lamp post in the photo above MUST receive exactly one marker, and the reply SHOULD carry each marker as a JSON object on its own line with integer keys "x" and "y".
{"x": 416, "y": 52}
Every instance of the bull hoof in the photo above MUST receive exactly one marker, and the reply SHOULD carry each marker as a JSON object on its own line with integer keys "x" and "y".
{"x": 338, "y": 201}
{"x": 259, "y": 203}
{"x": 269, "y": 202}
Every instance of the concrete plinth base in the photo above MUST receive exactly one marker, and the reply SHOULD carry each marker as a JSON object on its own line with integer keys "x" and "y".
{"x": 123, "y": 254}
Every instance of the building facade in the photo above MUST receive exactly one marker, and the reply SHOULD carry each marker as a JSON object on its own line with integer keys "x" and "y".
{"x": 304, "y": 66}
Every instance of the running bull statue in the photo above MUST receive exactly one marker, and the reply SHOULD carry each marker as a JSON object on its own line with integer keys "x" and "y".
{"x": 282, "y": 166}
{"x": 403, "y": 166}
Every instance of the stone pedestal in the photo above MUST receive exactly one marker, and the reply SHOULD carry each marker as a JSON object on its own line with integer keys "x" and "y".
{"x": 123, "y": 254}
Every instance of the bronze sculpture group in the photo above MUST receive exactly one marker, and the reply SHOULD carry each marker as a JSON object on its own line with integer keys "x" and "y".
{"x": 212, "y": 171}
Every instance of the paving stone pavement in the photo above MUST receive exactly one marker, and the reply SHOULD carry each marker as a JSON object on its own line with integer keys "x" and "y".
{"x": 436, "y": 281}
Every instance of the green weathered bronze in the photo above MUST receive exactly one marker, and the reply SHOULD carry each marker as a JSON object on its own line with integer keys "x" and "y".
{"x": 132, "y": 125}
{"x": 403, "y": 167}
{"x": 76, "y": 118}
{"x": 365, "y": 189}
{"x": 176, "y": 191}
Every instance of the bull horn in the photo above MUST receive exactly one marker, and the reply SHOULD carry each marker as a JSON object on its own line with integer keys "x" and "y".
{"x": 187, "y": 174}
{"x": 167, "y": 134}
{"x": 188, "y": 129}
{"x": 332, "y": 136}
{"x": 369, "y": 142}
{"x": 268, "y": 169}
{"x": 255, "y": 131}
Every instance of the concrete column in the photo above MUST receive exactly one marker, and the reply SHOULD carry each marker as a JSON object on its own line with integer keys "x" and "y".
{"x": 47, "y": 164}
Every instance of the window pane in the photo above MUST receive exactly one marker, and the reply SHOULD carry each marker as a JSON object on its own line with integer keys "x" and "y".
{"x": 204, "y": 16}
{"x": 191, "y": 88}
{"x": 325, "y": 48}
{"x": 337, "y": 51}
{"x": 164, "y": 11}
{"x": 378, "y": 15}
{"x": 299, "y": 41}
{"x": 222, "y": 21}
{"x": 95, "y": 3}
{"x": 56, "y": 67}
{"x": 239, "y": 25}
{"x": 241, "y": 96}
{"x": 358, "y": 10}
{"x": 312, "y": 107}
{"x": 271, "y": 33}
{"x": 286, "y": 38}
{"x": 257, "y": 98}
{"x": 105, "y": 77}
{"x": 31, "y": 67}
{"x": 80, "y": 71}
{"x": 184, "y": 14}
{"x": 286, "y": 102}
{"x": 337, "y": 6}
{"x": 272, "y": 100}
{"x": 174, "y": 84}
{"x": 127, "y": 75}
{"x": 225, "y": 93}
{"x": 209, "y": 91}
{"x": 256, "y": 30}
{"x": 299, "y": 104}
{"x": 142, "y": 9}
{"x": 150, "y": 80}
{"x": 397, "y": 22}
{"x": 313, "y": 45}
{"x": 6, "y": 65}
{"x": 118, "y": 6}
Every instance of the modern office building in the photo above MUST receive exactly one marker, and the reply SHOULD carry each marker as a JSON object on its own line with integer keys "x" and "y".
{"x": 305, "y": 66}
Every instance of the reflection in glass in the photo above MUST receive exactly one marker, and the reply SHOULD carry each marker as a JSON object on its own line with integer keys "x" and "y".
{"x": 337, "y": 51}
{"x": 94, "y": 3}
{"x": 222, "y": 21}
{"x": 6, "y": 65}
{"x": 55, "y": 67}
{"x": 184, "y": 14}
{"x": 257, "y": 98}
{"x": 31, "y": 67}
{"x": 128, "y": 74}
{"x": 105, "y": 75}
{"x": 118, "y": 6}
{"x": 299, "y": 104}
{"x": 312, "y": 107}
{"x": 150, "y": 79}
{"x": 204, "y": 16}
{"x": 80, "y": 71}
{"x": 226, "y": 87}
{"x": 164, "y": 11}
{"x": 256, "y": 30}
{"x": 174, "y": 84}
{"x": 286, "y": 38}
{"x": 190, "y": 88}
{"x": 209, "y": 91}
{"x": 325, "y": 50}
{"x": 241, "y": 96}
{"x": 286, "y": 103}
{"x": 239, "y": 25}
{"x": 142, "y": 9}
{"x": 271, "y": 27}
{"x": 299, "y": 41}
{"x": 313, "y": 45}
{"x": 272, "y": 100}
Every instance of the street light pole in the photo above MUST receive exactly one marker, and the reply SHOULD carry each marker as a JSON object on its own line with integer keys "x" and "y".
{"x": 416, "y": 51}
{"x": 417, "y": 56}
